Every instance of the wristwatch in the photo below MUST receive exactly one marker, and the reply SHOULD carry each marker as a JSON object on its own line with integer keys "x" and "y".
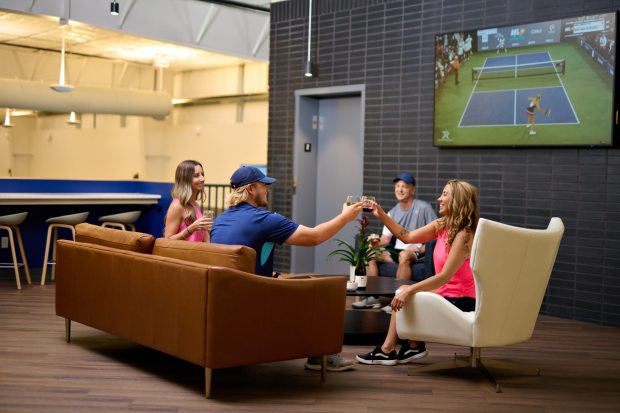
{"x": 417, "y": 254}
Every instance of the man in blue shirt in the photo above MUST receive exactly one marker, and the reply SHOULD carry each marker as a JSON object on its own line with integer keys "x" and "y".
{"x": 246, "y": 222}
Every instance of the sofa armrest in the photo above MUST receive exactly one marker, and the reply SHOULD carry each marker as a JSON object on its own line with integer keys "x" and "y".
{"x": 253, "y": 319}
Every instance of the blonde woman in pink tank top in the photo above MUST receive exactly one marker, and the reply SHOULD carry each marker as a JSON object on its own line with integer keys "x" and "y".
{"x": 184, "y": 220}
{"x": 453, "y": 279}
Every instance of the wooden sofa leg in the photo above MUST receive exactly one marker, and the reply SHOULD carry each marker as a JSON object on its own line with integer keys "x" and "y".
{"x": 207, "y": 382}
{"x": 323, "y": 367}
{"x": 67, "y": 330}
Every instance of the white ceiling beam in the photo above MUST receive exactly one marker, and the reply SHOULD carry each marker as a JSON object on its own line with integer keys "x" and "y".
{"x": 261, "y": 38}
{"x": 125, "y": 13}
{"x": 211, "y": 13}
{"x": 235, "y": 31}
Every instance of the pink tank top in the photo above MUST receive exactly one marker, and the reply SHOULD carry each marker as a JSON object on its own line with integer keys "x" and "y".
{"x": 197, "y": 236}
{"x": 462, "y": 282}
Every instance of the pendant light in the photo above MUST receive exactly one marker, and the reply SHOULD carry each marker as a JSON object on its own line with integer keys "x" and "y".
{"x": 61, "y": 86}
{"x": 73, "y": 119}
{"x": 310, "y": 68}
{"x": 7, "y": 119}
{"x": 114, "y": 8}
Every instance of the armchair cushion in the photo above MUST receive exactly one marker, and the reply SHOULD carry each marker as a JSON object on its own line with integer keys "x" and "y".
{"x": 113, "y": 238}
{"x": 430, "y": 317}
{"x": 231, "y": 256}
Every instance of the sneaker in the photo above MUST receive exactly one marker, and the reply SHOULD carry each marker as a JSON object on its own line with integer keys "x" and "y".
{"x": 335, "y": 362}
{"x": 377, "y": 356}
{"x": 532, "y": 133}
{"x": 368, "y": 302}
{"x": 407, "y": 354}
{"x": 387, "y": 309}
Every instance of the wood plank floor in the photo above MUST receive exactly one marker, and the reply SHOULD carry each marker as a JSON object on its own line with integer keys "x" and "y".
{"x": 97, "y": 372}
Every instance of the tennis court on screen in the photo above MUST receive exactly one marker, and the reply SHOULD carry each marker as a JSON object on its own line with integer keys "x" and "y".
{"x": 491, "y": 105}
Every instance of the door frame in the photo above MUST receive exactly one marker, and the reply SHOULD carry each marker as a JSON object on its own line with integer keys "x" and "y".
{"x": 358, "y": 90}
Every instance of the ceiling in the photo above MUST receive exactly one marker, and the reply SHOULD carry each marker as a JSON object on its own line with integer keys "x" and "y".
{"x": 34, "y": 31}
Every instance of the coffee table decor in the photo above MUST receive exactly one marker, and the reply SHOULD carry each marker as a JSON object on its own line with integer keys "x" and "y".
{"x": 359, "y": 253}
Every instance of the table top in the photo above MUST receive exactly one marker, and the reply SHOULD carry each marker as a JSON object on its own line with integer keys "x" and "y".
{"x": 385, "y": 286}
{"x": 77, "y": 198}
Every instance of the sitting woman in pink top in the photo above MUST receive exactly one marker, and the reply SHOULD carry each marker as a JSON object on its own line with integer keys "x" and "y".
{"x": 184, "y": 218}
{"x": 453, "y": 279}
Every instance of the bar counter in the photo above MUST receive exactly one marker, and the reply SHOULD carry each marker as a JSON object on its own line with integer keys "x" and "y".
{"x": 78, "y": 198}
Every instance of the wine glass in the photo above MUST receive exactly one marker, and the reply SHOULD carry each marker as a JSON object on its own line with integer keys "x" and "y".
{"x": 209, "y": 215}
{"x": 367, "y": 203}
{"x": 352, "y": 199}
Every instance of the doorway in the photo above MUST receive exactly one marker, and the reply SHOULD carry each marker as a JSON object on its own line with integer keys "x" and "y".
{"x": 328, "y": 165}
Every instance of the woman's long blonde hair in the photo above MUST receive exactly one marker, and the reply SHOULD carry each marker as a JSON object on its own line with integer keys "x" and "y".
{"x": 462, "y": 210}
{"x": 182, "y": 189}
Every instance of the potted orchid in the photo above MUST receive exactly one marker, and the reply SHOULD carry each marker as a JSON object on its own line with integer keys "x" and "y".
{"x": 358, "y": 254}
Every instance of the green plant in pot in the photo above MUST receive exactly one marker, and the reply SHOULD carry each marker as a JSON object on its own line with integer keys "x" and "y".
{"x": 359, "y": 253}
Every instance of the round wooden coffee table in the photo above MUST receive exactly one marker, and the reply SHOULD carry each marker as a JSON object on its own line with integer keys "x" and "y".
{"x": 370, "y": 326}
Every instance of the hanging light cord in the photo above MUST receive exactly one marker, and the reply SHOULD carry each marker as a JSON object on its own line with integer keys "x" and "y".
{"x": 309, "y": 27}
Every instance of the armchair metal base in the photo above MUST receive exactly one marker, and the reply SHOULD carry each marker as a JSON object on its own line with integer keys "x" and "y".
{"x": 475, "y": 361}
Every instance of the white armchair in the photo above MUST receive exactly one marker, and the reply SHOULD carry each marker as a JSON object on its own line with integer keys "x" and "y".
{"x": 511, "y": 269}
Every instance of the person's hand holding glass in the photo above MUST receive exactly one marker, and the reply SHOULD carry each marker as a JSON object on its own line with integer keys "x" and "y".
{"x": 351, "y": 207}
{"x": 368, "y": 203}
{"x": 209, "y": 216}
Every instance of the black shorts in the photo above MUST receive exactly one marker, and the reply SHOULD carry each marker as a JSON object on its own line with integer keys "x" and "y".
{"x": 395, "y": 254}
{"x": 465, "y": 304}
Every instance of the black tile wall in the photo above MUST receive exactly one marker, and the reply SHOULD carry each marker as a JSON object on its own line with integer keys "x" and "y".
{"x": 387, "y": 45}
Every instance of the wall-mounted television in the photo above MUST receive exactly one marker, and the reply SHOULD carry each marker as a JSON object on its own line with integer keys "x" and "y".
{"x": 547, "y": 84}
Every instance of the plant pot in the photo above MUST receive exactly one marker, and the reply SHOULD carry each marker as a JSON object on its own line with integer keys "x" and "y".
{"x": 351, "y": 273}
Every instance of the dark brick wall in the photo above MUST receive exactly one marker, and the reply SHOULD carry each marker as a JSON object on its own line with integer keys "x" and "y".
{"x": 388, "y": 46}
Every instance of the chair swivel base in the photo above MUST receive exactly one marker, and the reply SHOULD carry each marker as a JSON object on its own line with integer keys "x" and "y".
{"x": 475, "y": 362}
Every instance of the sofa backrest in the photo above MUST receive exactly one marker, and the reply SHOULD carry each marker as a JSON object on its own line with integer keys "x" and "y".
{"x": 238, "y": 257}
{"x": 114, "y": 238}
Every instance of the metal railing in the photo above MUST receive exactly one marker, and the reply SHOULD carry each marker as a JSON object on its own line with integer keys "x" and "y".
{"x": 216, "y": 197}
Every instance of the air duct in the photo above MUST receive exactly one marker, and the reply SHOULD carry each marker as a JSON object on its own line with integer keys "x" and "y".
{"x": 24, "y": 94}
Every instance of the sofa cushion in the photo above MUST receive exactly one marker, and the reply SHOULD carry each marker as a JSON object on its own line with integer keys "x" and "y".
{"x": 231, "y": 256}
{"x": 114, "y": 238}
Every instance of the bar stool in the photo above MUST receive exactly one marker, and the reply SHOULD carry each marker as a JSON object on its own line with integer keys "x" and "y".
{"x": 121, "y": 220}
{"x": 11, "y": 223}
{"x": 63, "y": 221}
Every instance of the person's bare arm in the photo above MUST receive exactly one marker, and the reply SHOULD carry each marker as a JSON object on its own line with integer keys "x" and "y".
{"x": 174, "y": 218}
{"x": 459, "y": 252}
{"x": 417, "y": 236}
{"x": 384, "y": 240}
{"x": 306, "y": 236}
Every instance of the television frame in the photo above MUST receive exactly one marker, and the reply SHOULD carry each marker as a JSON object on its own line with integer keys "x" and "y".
{"x": 521, "y": 138}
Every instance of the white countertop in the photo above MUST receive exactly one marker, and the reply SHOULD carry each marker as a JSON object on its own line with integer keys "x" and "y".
{"x": 77, "y": 198}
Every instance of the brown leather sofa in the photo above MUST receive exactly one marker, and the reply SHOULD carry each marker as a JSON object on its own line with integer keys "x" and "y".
{"x": 195, "y": 301}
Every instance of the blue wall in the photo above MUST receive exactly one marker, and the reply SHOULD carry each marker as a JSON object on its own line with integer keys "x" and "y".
{"x": 34, "y": 229}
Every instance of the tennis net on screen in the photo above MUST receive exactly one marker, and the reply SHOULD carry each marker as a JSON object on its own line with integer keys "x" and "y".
{"x": 550, "y": 67}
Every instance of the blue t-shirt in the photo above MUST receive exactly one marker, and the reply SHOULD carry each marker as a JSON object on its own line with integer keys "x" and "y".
{"x": 257, "y": 228}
